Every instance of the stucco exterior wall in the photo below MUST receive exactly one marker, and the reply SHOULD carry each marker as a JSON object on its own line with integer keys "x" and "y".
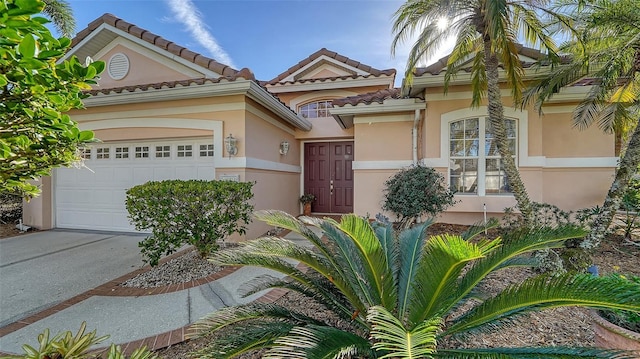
{"x": 141, "y": 69}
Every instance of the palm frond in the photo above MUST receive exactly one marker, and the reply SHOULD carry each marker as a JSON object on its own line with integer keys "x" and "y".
{"x": 318, "y": 342}
{"x": 232, "y": 316}
{"x": 533, "y": 353}
{"x": 244, "y": 338}
{"x": 396, "y": 341}
{"x": 514, "y": 246}
{"x": 444, "y": 258}
{"x": 375, "y": 271}
{"x": 411, "y": 243}
{"x": 479, "y": 228}
{"x": 318, "y": 289}
{"x": 61, "y": 14}
{"x": 546, "y": 292}
{"x": 284, "y": 220}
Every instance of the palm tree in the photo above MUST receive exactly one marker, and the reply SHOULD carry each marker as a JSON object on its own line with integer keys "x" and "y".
{"x": 607, "y": 54}
{"x": 486, "y": 33}
{"x": 396, "y": 292}
{"x": 61, "y": 15}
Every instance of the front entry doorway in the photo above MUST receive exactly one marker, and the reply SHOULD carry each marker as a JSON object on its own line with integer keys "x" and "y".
{"x": 328, "y": 175}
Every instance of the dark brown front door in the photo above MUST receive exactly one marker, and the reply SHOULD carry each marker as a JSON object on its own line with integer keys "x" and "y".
{"x": 329, "y": 176}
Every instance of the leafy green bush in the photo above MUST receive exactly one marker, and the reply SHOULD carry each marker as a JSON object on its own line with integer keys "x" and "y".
{"x": 416, "y": 191}
{"x": 67, "y": 346}
{"x": 193, "y": 212}
{"x": 397, "y": 294}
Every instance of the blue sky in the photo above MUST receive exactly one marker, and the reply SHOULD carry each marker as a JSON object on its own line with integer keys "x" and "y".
{"x": 267, "y": 36}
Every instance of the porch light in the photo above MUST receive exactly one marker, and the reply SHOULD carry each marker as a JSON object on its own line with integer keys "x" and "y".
{"x": 284, "y": 147}
{"x": 230, "y": 144}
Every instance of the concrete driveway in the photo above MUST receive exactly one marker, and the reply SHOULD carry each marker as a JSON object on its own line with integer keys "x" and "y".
{"x": 41, "y": 269}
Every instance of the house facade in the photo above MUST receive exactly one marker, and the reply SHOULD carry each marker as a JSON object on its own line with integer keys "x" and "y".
{"x": 328, "y": 125}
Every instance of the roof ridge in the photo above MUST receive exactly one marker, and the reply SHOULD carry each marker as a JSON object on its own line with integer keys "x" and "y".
{"x": 333, "y": 55}
{"x": 156, "y": 40}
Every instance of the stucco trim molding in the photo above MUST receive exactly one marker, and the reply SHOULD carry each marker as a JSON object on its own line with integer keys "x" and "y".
{"x": 256, "y": 163}
{"x": 381, "y": 165}
{"x": 581, "y": 162}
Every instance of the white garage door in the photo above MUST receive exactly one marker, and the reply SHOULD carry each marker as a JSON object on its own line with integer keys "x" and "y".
{"x": 94, "y": 198}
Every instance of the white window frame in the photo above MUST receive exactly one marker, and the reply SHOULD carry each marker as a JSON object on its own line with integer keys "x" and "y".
{"x": 184, "y": 152}
{"x": 121, "y": 152}
{"x": 327, "y": 103}
{"x": 481, "y": 157}
{"x": 164, "y": 152}
{"x": 209, "y": 150}
{"x": 522, "y": 143}
{"x": 103, "y": 153}
{"x": 139, "y": 152}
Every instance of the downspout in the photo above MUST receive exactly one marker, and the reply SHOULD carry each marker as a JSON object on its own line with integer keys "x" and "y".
{"x": 414, "y": 136}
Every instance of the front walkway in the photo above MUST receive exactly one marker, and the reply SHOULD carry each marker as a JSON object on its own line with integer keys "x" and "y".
{"x": 133, "y": 317}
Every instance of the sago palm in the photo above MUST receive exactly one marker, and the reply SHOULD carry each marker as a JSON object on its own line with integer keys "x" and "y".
{"x": 606, "y": 52}
{"x": 486, "y": 37}
{"x": 397, "y": 291}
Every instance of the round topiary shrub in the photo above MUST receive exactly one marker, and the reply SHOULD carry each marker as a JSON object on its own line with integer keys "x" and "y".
{"x": 416, "y": 191}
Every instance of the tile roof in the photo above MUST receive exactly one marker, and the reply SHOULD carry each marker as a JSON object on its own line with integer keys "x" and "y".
{"x": 334, "y": 55}
{"x": 156, "y": 40}
{"x": 242, "y": 74}
{"x": 440, "y": 65}
{"x": 368, "y": 98}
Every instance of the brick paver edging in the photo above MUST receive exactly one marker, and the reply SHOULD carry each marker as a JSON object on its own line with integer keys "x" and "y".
{"x": 113, "y": 288}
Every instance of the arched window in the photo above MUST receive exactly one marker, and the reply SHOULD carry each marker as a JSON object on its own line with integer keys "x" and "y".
{"x": 475, "y": 166}
{"x": 315, "y": 109}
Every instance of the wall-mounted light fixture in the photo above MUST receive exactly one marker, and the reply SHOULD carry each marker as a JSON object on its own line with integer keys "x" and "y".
{"x": 231, "y": 145}
{"x": 284, "y": 147}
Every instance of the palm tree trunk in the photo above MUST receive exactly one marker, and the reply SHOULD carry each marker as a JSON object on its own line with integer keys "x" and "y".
{"x": 625, "y": 171}
{"x": 496, "y": 118}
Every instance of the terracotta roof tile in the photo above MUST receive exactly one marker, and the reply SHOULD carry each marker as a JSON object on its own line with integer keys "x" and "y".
{"x": 156, "y": 40}
{"x": 368, "y": 98}
{"x": 333, "y": 55}
{"x": 389, "y": 72}
{"x": 245, "y": 73}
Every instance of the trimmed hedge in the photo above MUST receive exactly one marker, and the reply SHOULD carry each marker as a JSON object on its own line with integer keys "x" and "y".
{"x": 193, "y": 212}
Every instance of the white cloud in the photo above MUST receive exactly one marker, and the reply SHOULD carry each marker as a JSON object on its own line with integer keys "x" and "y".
{"x": 187, "y": 13}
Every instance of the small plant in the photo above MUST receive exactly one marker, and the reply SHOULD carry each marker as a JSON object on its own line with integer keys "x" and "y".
{"x": 623, "y": 318}
{"x": 414, "y": 192}
{"x": 631, "y": 206}
{"x": 195, "y": 212}
{"x": 67, "y": 346}
{"x": 307, "y": 198}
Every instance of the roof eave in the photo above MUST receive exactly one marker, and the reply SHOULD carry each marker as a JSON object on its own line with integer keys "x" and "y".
{"x": 236, "y": 87}
{"x": 344, "y": 115}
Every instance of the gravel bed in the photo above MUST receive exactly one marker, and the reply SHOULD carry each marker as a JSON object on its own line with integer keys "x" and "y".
{"x": 182, "y": 269}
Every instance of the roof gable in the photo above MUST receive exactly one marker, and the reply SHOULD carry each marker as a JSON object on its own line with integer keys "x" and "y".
{"x": 101, "y": 32}
{"x": 324, "y": 62}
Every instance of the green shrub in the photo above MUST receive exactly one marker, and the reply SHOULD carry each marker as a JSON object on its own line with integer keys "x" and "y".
{"x": 416, "y": 191}
{"x": 193, "y": 212}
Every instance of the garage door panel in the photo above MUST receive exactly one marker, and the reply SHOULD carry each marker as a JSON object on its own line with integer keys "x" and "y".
{"x": 95, "y": 199}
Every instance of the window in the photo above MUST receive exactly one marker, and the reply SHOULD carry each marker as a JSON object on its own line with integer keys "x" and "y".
{"x": 206, "y": 150}
{"x": 85, "y": 153}
{"x": 163, "y": 151}
{"x": 185, "y": 151}
{"x": 315, "y": 109}
{"x": 142, "y": 152}
{"x": 122, "y": 152}
{"x": 102, "y": 153}
{"x": 474, "y": 161}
